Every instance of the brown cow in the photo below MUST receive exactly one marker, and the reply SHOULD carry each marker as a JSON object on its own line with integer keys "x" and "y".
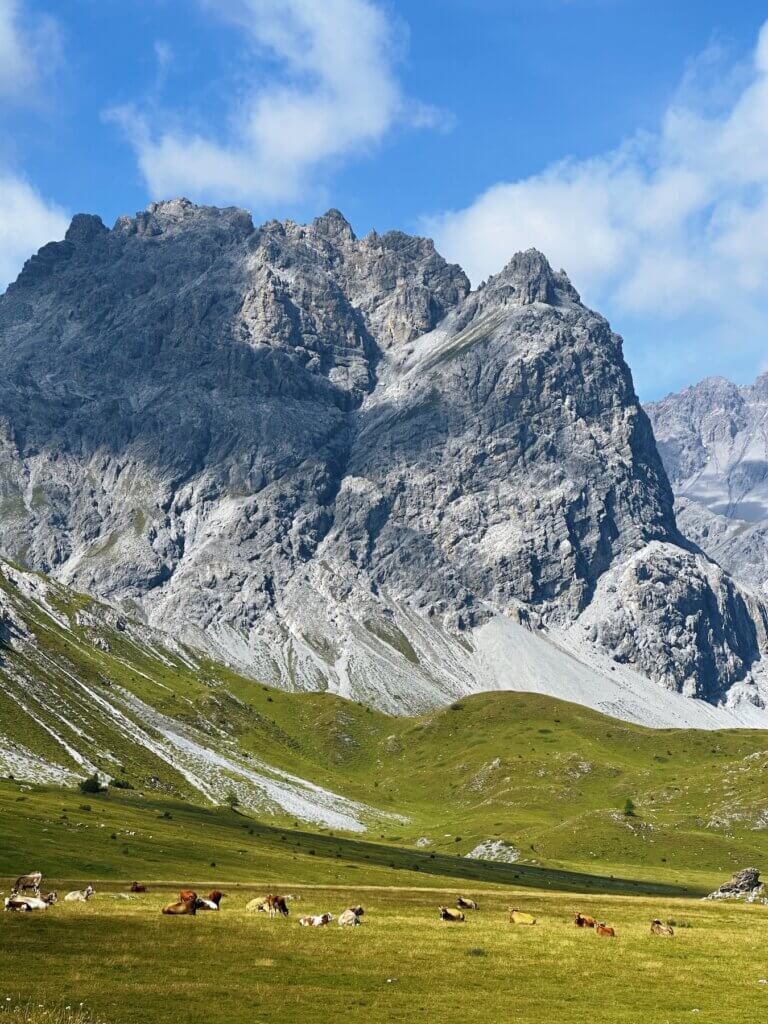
{"x": 447, "y": 914}
{"x": 138, "y": 887}
{"x": 605, "y": 931}
{"x": 584, "y": 921}
{"x": 275, "y": 905}
{"x": 657, "y": 928}
{"x": 184, "y": 906}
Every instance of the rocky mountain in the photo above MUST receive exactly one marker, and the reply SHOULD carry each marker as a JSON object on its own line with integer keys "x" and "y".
{"x": 713, "y": 439}
{"x": 329, "y": 462}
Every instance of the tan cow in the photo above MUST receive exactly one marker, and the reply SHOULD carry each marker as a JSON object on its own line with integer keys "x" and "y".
{"x": 584, "y": 921}
{"x": 350, "y": 917}
{"x": 657, "y": 928}
{"x": 604, "y": 930}
{"x": 447, "y": 914}
{"x": 464, "y": 903}
{"x": 184, "y": 906}
{"x": 520, "y": 917}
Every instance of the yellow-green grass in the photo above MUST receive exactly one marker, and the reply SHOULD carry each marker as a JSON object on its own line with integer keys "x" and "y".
{"x": 131, "y": 965}
{"x": 124, "y": 836}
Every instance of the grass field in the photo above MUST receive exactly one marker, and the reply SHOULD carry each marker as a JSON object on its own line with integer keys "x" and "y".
{"x": 129, "y": 964}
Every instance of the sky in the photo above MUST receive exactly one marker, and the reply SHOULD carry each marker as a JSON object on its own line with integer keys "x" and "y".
{"x": 626, "y": 139}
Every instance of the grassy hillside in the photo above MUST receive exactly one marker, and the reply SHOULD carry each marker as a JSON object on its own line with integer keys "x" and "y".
{"x": 84, "y": 689}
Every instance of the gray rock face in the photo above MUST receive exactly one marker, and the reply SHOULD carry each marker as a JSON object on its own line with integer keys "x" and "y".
{"x": 743, "y": 885}
{"x": 713, "y": 441}
{"x": 327, "y": 460}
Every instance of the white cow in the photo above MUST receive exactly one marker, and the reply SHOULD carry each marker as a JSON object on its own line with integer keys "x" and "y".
{"x": 80, "y": 895}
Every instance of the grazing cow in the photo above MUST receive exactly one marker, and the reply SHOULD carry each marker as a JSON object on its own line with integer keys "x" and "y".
{"x": 315, "y": 920}
{"x": 464, "y": 903}
{"x": 520, "y": 917}
{"x": 212, "y": 901}
{"x": 184, "y": 906}
{"x": 584, "y": 921}
{"x": 20, "y": 902}
{"x": 447, "y": 914}
{"x": 351, "y": 917}
{"x": 657, "y": 928}
{"x": 80, "y": 895}
{"x": 31, "y": 881}
{"x": 275, "y": 905}
{"x": 605, "y": 931}
{"x": 138, "y": 887}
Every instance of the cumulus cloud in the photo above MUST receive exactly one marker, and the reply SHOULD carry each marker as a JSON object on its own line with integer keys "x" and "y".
{"x": 28, "y": 47}
{"x": 27, "y": 221}
{"x": 337, "y": 94}
{"x": 669, "y": 224}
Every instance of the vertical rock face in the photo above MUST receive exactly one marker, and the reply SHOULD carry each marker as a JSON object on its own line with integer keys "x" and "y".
{"x": 712, "y": 438}
{"x": 326, "y": 458}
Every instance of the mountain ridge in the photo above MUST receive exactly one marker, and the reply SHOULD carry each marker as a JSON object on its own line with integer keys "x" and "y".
{"x": 329, "y": 462}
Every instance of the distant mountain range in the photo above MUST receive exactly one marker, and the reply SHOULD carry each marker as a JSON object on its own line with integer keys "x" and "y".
{"x": 328, "y": 462}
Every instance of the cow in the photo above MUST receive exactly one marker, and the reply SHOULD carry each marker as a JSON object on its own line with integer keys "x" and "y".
{"x": 350, "y": 917}
{"x": 138, "y": 887}
{"x": 257, "y": 905}
{"x": 584, "y": 921}
{"x": 80, "y": 895}
{"x": 464, "y": 903}
{"x": 184, "y": 906}
{"x": 603, "y": 929}
{"x": 657, "y": 928}
{"x": 447, "y": 914}
{"x": 30, "y": 881}
{"x": 17, "y": 901}
{"x": 520, "y": 917}
{"x": 212, "y": 901}
{"x": 275, "y": 905}
{"x": 315, "y": 920}
{"x": 187, "y": 894}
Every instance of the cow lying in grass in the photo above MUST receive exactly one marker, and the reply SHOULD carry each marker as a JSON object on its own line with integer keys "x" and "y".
{"x": 584, "y": 921}
{"x": 187, "y": 904}
{"x": 212, "y": 901}
{"x": 520, "y": 917}
{"x": 80, "y": 895}
{"x": 18, "y": 902}
{"x": 605, "y": 930}
{"x": 138, "y": 887}
{"x": 464, "y": 903}
{"x": 350, "y": 917}
{"x": 447, "y": 914}
{"x": 315, "y": 920}
{"x": 657, "y": 928}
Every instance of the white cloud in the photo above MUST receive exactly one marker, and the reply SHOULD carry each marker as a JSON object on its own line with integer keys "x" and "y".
{"x": 28, "y": 49}
{"x": 669, "y": 225}
{"x": 337, "y": 95}
{"x": 27, "y": 221}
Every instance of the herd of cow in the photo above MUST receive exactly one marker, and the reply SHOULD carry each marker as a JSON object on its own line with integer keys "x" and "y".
{"x": 189, "y": 903}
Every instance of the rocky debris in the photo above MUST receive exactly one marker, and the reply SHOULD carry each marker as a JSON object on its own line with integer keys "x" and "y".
{"x": 330, "y": 463}
{"x": 743, "y": 885}
{"x": 496, "y": 850}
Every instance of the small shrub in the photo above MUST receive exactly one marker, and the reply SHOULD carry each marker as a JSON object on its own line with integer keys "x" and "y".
{"x": 476, "y": 951}
{"x": 85, "y": 807}
{"x": 120, "y": 784}
{"x": 629, "y": 808}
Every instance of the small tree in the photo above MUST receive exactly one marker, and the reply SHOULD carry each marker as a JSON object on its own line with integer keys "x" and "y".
{"x": 629, "y": 808}
{"x": 231, "y": 799}
{"x": 91, "y": 785}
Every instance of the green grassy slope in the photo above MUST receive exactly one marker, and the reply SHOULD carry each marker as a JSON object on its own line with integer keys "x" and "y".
{"x": 548, "y": 778}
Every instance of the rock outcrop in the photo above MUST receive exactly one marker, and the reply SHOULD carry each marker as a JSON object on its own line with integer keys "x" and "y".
{"x": 327, "y": 460}
{"x": 742, "y": 885}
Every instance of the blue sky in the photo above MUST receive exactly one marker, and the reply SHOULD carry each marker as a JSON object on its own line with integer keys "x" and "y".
{"x": 628, "y": 139}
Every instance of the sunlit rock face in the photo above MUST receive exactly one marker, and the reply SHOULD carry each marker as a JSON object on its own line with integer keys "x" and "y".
{"x": 328, "y": 460}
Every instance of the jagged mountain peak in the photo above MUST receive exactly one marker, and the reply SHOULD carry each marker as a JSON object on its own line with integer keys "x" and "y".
{"x": 527, "y": 278}
{"x": 326, "y": 460}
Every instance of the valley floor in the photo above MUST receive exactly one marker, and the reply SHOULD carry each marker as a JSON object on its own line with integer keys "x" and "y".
{"x": 130, "y": 965}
